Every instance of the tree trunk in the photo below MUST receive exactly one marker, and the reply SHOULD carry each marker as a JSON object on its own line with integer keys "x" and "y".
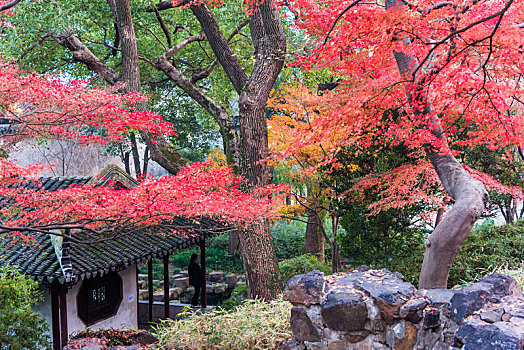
{"x": 443, "y": 245}
{"x": 258, "y": 253}
{"x": 136, "y": 156}
{"x": 260, "y": 262}
{"x": 470, "y": 196}
{"x": 314, "y": 242}
{"x": 256, "y": 244}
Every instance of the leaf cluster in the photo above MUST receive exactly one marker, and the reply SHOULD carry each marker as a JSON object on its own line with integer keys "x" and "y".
{"x": 20, "y": 327}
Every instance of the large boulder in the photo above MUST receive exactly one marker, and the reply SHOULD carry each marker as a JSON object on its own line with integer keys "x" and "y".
{"x": 343, "y": 311}
{"x": 302, "y": 327}
{"x": 182, "y": 282}
{"x": 305, "y": 289}
{"x": 477, "y": 335}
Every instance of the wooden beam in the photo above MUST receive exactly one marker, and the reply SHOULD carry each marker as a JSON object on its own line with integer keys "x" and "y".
{"x": 64, "y": 334}
{"x": 166, "y": 286}
{"x": 55, "y": 315}
{"x": 202, "y": 245}
{"x": 150, "y": 289}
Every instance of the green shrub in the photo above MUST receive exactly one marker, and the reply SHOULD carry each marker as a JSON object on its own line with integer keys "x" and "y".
{"x": 288, "y": 238}
{"x": 20, "y": 327}
{"x": 301, "y": 264}
{"x": 218, "y": 257}
{"x": 238, "y": 295}
{"x": 253, "y": 325}
{"x": 486, "y": 247}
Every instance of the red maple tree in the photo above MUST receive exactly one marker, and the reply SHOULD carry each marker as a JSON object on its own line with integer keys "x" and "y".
{"x": 36, "y": 106}
{"x": 436, "y": 77}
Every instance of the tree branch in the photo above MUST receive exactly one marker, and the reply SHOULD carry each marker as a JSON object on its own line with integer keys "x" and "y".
{"x": 82, "y": 54}
{"x": 9, "y": 5}
{"x": 164, "y": 28}
{"x": 349, "y": 7}
{"x": 220, "y": 47}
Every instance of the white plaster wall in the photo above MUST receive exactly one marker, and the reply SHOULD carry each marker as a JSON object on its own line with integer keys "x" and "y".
{"x": 44, "y": 307}
{"x": 127, "y": 315}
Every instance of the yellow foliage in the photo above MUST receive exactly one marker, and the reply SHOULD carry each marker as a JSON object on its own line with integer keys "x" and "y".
{"x": 217, "y": 157}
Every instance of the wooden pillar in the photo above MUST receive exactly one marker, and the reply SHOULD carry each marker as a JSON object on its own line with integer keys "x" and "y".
{"x": 150, "y": 289}
{"x": 166, "y": 286}
{"x": 202, "y": 245}
{"x": 59, "y": 315}
{"x": 55, "y": 315}
{"x": 137, "y": 296}
{"x": 64, "y": 334}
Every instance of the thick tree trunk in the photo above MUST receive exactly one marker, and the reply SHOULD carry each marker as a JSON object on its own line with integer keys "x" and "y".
{"x": 256, "y": 244}
{"x": 470, "y": 196}
{"x": 443, "y": 245}
{"x": 260, "y": 262}
{"x": 314, "y": 242}
{"x": 267, "y": 33}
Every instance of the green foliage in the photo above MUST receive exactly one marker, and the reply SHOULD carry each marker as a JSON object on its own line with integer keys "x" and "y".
{"x": 20, "y": 327}
{"x": 383, "y": 240}
{"x": 288, "y": 238}
{"x": 253, "y": 325}
{"x": 486, "y": 247}
{"x": 218, "y": 257}
{"x": 238, "y": 295}
{"x": 301, "y": 264}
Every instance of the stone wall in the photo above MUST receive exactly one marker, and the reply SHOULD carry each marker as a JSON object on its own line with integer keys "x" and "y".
{"x": 375, "y": 309}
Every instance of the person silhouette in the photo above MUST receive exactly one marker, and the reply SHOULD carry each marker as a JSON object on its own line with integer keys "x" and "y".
{"x": 195, "y": 278}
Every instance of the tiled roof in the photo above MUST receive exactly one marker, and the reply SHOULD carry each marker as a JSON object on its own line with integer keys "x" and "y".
{"x": 73, "y": 262}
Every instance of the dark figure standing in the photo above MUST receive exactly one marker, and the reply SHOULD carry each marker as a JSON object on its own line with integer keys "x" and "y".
{"x": 195, "y": 278}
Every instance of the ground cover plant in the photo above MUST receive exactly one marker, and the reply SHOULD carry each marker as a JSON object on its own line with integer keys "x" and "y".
{"x": 252, "y": 325}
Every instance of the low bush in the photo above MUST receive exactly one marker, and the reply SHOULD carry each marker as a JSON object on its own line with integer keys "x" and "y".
{"x": 20, "y": 327}
{"x": 238, "y": 295}
{"x": 288, "y": 238}
{"x": 301, "y": 264}
{"x": 486, "y": 248}
{"x": 253, "y": 325}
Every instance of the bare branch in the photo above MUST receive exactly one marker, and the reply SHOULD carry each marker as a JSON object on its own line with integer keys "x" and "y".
{"x": 82, "y": 54}
{"x": 164, "y": 28}
{"x": 349, "y": 7}
{"x": 9, "y": 5}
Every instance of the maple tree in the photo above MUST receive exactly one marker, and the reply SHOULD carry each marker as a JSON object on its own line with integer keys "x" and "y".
{"x": 39, "y": 107}
{"x": 295, "y": 107}
{"x": 251, "y": 83}
{"x": 435, "y": 77}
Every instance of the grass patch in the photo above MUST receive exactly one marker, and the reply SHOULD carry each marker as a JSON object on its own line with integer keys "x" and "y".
{"x": 252, "y": 325}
